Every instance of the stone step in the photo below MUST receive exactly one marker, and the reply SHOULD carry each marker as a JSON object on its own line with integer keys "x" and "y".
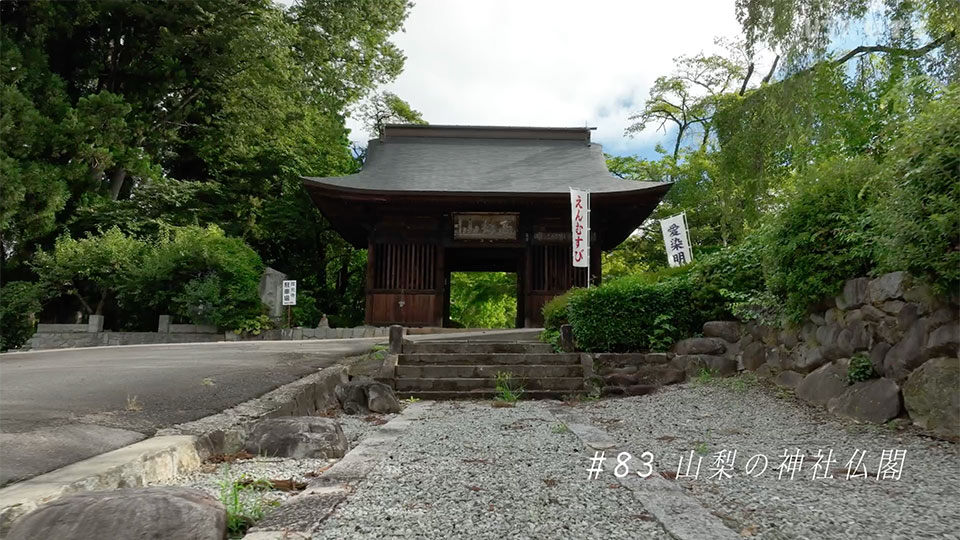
{"x": 449, "y": 347}
{"x": 513, "y": 359}
{"x": 567, "y": 384}
{"x": 446, "y": 371}
{"x": 484, "y": 393}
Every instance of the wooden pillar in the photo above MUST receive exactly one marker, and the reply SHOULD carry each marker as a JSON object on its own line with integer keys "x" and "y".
{"x": 596, "y": 272}
{"x": 528, "y": 287}
{"x": 441, "y": 307}
{"x": 370, "y": 282}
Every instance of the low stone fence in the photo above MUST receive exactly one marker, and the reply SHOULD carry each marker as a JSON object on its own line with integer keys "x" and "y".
{"x": 91, "y": 334}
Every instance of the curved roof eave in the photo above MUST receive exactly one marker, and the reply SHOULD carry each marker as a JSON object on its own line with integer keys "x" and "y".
{"x": 650, "y": 188}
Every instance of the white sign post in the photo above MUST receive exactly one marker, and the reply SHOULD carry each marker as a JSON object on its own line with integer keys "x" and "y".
{"x": 290, "y": 292}
{"x": 289, "y": 298}
{"x": 677, "y": 240}
{"x": 580, "y": 222}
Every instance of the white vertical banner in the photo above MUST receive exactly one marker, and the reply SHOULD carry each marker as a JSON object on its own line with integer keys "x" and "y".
{"x": 676, "y": 238}
{"x": 580, "y": 221}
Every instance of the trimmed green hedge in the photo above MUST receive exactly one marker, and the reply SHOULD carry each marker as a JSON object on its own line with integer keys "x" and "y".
{"x": 632, "y": 314}
{"x": 555, "y": 312}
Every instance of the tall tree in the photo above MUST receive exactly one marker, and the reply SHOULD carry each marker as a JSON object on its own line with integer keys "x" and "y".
{"x": 686, "y": 99}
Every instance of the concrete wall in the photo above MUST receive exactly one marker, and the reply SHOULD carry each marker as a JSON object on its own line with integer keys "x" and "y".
{"x": 54, "y": 337}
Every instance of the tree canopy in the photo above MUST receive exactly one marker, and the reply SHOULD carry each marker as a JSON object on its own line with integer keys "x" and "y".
{"x": 140, "y": 117}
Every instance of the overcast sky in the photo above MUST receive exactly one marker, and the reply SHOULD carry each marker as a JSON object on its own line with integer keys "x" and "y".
{"x": 549, "y": 63}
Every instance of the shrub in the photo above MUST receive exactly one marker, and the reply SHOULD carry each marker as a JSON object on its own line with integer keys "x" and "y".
{"x": 93, "y": 269}
{"x": 631, "y": 314}
{"x": 204, "y": 276}
{"x": 19, "y": 302}
{"x": 918, "y": 218}
{"x": 860, "y": 369}
{"x": 818, "y": 240}
{"x": 555, "y": 311}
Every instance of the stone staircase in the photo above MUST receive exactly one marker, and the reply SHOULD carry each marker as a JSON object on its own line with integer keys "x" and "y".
{"x": 466, "y": 369}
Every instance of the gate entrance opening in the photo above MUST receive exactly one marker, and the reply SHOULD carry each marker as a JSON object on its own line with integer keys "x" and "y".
{"x": 483, "y": 300}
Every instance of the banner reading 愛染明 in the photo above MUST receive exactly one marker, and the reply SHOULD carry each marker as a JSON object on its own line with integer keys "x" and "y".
{"x": 677, "y": 240}
{"x": 580, "y": 220}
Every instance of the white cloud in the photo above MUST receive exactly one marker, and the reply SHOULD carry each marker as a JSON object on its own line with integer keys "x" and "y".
{"x": 549, "y": 63}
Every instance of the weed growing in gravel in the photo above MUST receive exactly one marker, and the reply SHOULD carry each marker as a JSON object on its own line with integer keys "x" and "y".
{"x": 739, "y": 384}
{"x": 133, "y": 405}
{"x": 701, "y": 449}
{"x": 508, "y": 390}
{"x": 704, "y": 376}
{"x": 560, "y": 428}
{"x": 243, "y": 500}
{"x": 411, "y": 399}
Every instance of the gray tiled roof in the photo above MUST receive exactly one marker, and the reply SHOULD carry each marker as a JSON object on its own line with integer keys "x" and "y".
{"x": 495, "y": 165}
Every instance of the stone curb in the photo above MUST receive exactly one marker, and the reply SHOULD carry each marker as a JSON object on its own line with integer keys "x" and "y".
{"x": 306, "y": 511}
{"x": 172, "y": 451}
{"x": 682, "y": 516}
{"x": 226, "y": 431}
{"x": 152, "y": 460}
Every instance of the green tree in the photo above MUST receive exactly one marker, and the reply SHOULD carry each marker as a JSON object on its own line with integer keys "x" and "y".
{"x": 92, "y": 269}
{"x": 200, "y": 275}
{"x": 387, "y": 108}
{"x": 917, "y": 219}
{"x": 483, "y": 299}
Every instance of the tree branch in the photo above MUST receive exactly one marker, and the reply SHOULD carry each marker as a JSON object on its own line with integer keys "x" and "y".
{"x": 912, "y": 53}
{"x": 776, "y": 59}
{"x": 746, "y": 79}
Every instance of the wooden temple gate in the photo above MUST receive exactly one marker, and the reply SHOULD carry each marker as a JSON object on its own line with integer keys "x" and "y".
{"x": 432, "y": 200}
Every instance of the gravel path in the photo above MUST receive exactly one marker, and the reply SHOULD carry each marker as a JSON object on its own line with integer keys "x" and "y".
{"x": 472, "y": 471}
{"x": 742, "y": 415}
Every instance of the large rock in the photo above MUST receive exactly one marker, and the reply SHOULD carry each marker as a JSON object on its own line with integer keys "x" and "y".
{"x": 804, "y": 358}
{"x": 707, "y": 345}
{"x": 128, "y": 514}
{"x": 658, "y": 375}
{"x": 855, "y": 337}
{"x": 944, "y": 341}
{"x": 877, "y": 354}
{"x": 381, "y": 399}
{"x": 887, "y": 287}
{"x": 854, "y": 294}
{"x": 908, "y": 315}
{"x": 297, "y": 437}
{"x": 827, "y": 335}
{"x": 908, "y": 353}
{"x": 716, "y": 365}
{"x": 728, "y": 331}
{"x": 788, "y": 379}
{"x": 932, "y": 398}
{"x": 754, "y": 356}
{"x": 833, "y": 315}
{"x": 872, "y": 314}
{"x": 942, "y": 316}
{"x": 788, "y": 338}
{"x": 776, "y": 359}
{"x": 808, "y": 333}
{"x": 875, "y": 401}
{"x": 823, "y": 384}
{"x": 892, "y": 307}
{"x": 363, "y": 394}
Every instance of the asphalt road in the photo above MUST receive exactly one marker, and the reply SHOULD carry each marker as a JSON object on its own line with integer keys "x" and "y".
{"x": 59, "y": 407}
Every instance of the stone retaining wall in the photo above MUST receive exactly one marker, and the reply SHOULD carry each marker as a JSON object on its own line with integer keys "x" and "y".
{"x": 910, "y": 339}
